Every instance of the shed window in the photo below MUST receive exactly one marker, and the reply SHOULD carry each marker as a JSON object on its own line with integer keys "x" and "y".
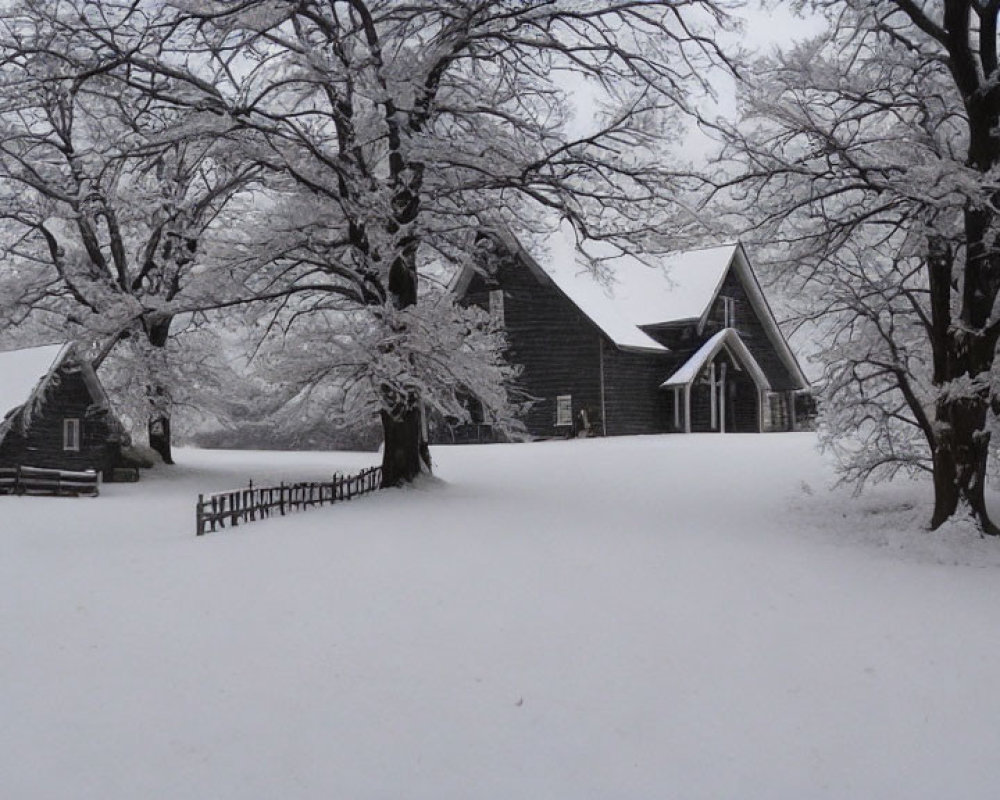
{"x": 71, "y": 434}
{"x": 564, "y": 410}
{"x": 496, "y": 307}
{"x": 728, "y": 312}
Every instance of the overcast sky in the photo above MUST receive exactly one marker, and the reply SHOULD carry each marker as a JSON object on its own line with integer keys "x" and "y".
{"x": 765, "y": 30}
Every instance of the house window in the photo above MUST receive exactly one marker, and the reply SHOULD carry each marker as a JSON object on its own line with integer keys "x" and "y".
{"x": 728, "y": 312}
{"x": 496, "y": 307}
{"x": 564, "y": 410}
{"x": 71, "y": 434}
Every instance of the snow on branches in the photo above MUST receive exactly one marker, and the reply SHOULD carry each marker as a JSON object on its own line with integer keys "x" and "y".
{"x": 868, "y": 159}
{"x": 346, "y": 367}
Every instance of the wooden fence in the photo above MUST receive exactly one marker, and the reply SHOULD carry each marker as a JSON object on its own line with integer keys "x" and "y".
{"x": 215, "y": 511}
{"x": 61, "y": 482}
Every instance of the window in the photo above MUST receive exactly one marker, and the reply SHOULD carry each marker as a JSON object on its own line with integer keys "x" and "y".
{"x": 71, "y": 434}
{"x": 728, "y": 312}
{"x": 496, "y": 307}
{"x": 564, "y": 410}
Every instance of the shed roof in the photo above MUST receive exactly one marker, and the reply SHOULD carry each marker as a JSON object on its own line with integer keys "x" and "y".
{"x": 26, "y": 373}
{"x": 21, "y": 371}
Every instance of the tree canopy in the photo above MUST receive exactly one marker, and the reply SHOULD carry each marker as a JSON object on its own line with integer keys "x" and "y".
{"x": 867, "y": 158}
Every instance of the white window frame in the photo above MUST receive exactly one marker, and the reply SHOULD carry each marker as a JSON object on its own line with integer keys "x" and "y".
{"x": 728, "y": 311}
{"x": 564, "y": 410}
{"x": 496, "y": 307}
{"x": 71, "y": 434}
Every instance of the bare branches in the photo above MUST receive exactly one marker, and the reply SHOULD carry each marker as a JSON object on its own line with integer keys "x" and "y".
{"x": 871, "y": 164}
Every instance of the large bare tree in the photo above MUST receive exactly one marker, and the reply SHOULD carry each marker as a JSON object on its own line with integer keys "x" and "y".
{"x": 868, "y": 156}
{"x": 415, "y": 125}
{"x": 106, "y": 193}
{"x": 410, "y": 127}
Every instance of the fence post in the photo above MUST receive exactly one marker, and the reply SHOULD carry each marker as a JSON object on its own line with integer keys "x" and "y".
{"x": 251, "y": 504}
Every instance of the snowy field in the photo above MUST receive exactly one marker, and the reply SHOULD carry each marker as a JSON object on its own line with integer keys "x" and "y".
{"x": 655, "y": 617}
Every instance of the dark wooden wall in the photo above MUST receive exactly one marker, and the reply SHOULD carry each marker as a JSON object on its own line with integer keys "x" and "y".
{"x": 752, "y": 333}
{"x": 633, "y": 399}
{"x": 557, "y": 345}
{"x": 42, "y": 446}
{"x": 742, "y": 403}
{"x": 561, "y": 352}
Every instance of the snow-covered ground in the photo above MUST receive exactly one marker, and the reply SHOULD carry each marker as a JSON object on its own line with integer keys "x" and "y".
{"x": 653, "y": 617}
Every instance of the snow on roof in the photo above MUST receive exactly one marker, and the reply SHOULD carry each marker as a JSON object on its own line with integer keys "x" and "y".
{"x": 652, "y": 290}
{"x": 727, "y": 337}
{"x": 22, "y": 370}
{"x": 569, "y": 270}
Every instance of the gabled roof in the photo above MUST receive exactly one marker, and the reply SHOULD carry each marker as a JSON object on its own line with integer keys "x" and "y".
{"x": 575, "y": 280}
{"x": 639, "y": 292}
{"x": 26, "y": 373}
{"x": 726, "y": 338}
{"x": 643, "y": 292}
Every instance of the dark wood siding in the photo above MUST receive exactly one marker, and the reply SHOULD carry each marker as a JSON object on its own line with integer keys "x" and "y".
{"x": 561, "y": 352}
{"x": 742, "y": 403}
{"x": 701, "y": 407}
{"x": 752, "y": 333}
{"x": 633, "y": 398}
{"x": 558, "y": 347}
{"x": 42, "y": 445}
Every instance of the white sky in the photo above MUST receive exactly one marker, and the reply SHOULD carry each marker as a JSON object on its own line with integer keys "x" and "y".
{"x": 766, "y": 29}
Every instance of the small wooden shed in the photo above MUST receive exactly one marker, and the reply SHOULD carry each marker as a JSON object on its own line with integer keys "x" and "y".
{"x": 57, "y": 415}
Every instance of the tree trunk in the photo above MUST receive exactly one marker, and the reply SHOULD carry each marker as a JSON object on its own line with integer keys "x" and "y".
{"x": 958, "y": 437}
{"x": 158, "y": 426}
{"x": 960, "y": 457}
{"x": 405, "y": 454}
{"x": 158, "y": 429}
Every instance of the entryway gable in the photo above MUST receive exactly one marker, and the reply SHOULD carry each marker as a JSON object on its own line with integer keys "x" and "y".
{"x": 711, "y": 378}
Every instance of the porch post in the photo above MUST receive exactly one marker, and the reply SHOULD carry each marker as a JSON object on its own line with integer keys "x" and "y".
{"x": 722, "y": 398}
{"x": 687, "y": 408}
{"x": 713, "y": 404}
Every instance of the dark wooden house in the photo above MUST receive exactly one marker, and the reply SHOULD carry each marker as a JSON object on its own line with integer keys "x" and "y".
{"x": 56, "y": 413}
{"x": 678, "y": 343}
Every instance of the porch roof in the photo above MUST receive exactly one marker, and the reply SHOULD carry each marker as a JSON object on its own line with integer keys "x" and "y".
{"x": 726, "y": 338}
